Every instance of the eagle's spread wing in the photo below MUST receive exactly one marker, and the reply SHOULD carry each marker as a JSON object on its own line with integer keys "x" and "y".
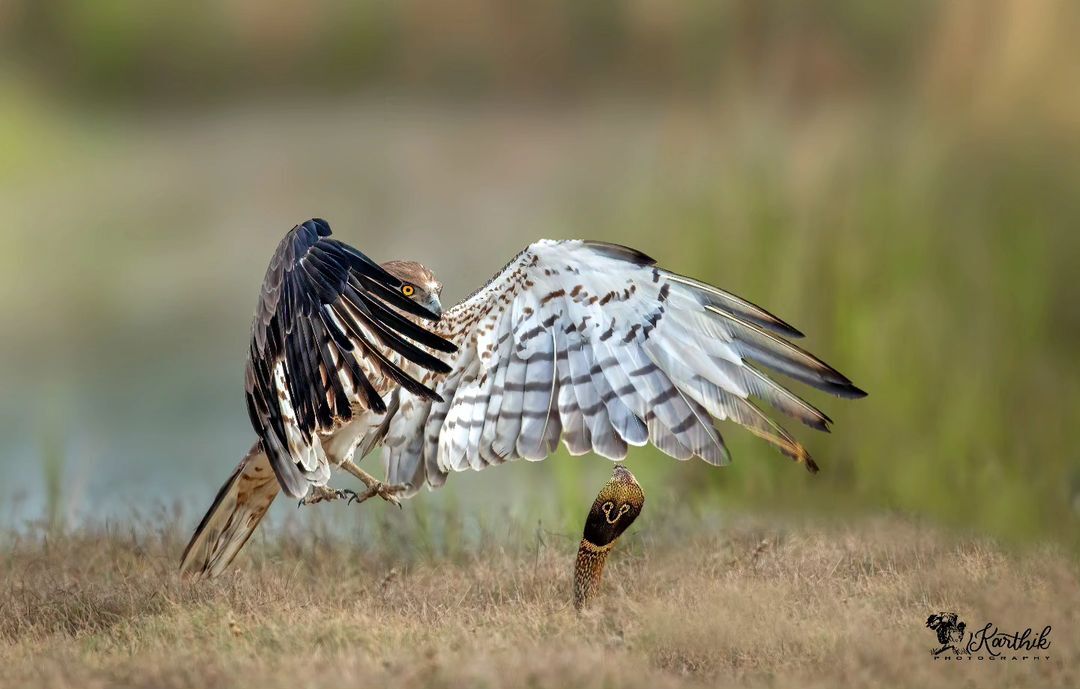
{"x": 594, "y": 344}
{"x": 324, "y": 343}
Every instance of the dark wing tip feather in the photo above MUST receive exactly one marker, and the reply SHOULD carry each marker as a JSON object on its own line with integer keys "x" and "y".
{"x": 854, "y": 393}
{"x": 797, "y": 452}
{"x": 783, "y": 327}
{"x": 734, "y": 305}
{"x": 821, "y": 424}
{"x": 620, "y": 252}
{"x": 420, "y": 390}
{"x": 841, "y": 387}
{"x": 769, "y": 320}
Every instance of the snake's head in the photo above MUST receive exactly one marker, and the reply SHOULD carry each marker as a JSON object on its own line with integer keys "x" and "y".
{"x": 615, "y": 509}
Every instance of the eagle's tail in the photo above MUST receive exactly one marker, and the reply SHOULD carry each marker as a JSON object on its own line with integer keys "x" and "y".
{"x": 230, "y": 521}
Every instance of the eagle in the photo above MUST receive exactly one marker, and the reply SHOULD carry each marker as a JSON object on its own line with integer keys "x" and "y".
{"x": 584, "y": 342}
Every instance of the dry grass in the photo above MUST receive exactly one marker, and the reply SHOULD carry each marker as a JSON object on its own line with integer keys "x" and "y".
{"x": 746, "y": 604}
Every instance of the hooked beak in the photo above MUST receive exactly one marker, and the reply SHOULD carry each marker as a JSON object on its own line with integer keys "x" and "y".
{"x": 434, "y": 305}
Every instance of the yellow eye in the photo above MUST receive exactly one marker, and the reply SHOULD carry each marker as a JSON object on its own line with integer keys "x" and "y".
{"x": 408, "y": 290}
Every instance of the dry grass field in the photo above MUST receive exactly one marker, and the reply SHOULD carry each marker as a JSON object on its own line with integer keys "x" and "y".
{"x": 741, "y": 603}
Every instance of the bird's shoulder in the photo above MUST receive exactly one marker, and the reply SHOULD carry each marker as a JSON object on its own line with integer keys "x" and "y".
{"x": 541, "y": 271}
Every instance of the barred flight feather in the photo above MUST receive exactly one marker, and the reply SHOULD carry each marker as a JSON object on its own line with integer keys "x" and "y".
{"x": 594, "y": 344}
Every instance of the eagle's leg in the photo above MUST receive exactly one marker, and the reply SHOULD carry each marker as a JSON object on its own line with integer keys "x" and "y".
{"x": 375, "y": 487}
{"x": 319, "y": 494}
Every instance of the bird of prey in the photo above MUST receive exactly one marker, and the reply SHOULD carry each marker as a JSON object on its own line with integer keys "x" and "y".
{"x": 585, "y": 342}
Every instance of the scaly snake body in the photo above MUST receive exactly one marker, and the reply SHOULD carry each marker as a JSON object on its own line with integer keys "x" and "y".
{"x": 616, "y": 507}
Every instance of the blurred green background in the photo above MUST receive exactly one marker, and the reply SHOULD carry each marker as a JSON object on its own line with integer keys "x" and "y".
{"x": 899, "y": 180}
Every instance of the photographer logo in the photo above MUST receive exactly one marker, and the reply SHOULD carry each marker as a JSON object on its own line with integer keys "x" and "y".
{"x": 989, "y": 642}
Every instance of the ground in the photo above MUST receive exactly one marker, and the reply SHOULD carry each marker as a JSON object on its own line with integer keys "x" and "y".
{"x": 740, "y": 603}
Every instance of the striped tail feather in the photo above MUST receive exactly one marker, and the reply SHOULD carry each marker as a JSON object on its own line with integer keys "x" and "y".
{"x": 238, "y": 508}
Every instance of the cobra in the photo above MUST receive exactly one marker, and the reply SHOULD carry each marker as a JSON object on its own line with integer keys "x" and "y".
{"x": 616, "y": 507}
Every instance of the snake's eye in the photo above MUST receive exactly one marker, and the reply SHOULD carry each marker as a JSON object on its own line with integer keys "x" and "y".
{"x": 408, "y": 290}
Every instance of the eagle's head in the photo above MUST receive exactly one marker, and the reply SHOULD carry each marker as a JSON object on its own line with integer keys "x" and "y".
{"x": 418, "y": 283}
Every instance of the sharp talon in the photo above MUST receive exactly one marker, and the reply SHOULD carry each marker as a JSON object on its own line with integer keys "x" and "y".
{"x": 389, "y": 493}
{"x": 384, "y": 491}
{"x": 323, "y": 494}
